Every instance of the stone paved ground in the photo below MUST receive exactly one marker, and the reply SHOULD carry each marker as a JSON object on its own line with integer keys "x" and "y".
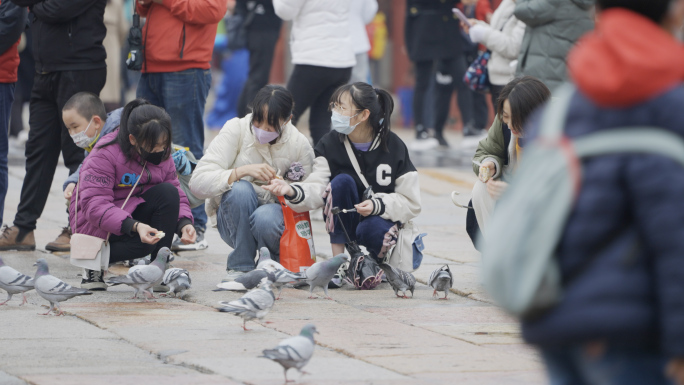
{"x": 367, "y": 337}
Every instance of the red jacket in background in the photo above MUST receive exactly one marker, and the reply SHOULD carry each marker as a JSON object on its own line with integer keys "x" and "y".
{"x": 179, "y": 34}
{"x": 9, "y": 62}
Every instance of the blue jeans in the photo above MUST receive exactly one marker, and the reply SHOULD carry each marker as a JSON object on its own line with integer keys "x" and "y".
{"x": 369, "y": 231}
{"x": 183, "y": 95}
{"x": 6, "y": 99}
{"x": 247, "y": 227}
{"x": 573, "y": 366}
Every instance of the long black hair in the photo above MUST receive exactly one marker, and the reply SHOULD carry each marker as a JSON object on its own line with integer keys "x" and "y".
{"x": 147, "y": 123}
{"x": 280, "y": 105}
{"x": 377, "y": 101}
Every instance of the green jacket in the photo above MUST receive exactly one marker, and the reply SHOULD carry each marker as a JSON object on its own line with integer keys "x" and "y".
{"x": 493, "y": 148}
{"x": 553, "y": 28}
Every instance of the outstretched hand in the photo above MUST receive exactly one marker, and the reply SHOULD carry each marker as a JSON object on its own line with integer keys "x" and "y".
{"x": 279, "y": 188}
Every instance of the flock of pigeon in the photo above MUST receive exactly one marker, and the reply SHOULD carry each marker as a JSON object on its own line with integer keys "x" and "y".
{"x": 294, "y": 352}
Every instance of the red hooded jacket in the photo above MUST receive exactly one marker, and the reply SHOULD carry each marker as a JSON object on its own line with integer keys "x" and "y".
{"x": 179, "y": 34}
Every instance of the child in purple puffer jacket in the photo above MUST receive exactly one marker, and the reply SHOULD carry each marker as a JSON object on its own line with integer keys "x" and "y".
{"x": 139, "y": 149}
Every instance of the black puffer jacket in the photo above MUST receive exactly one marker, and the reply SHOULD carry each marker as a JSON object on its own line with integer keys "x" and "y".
{"x": 431, "y": 30}
{"x": 67, "y": 34}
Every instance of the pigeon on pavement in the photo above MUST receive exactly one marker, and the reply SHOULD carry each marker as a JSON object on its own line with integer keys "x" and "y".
{"x": 54, "y": 289}
{"x": 283, "y": 277}
{"x": 255, "y": 304}
{"x": 14, "y": 282}
{"x": 144, "y": 277}
{"x": 441, "y": 280}
{"x": 320, "y": 273}
{"x": 247, "y": 281}
{"x": 266, "y": 263}
{"x": 294, "y": 352}
{"x": 177, "y": 280}
{"x": 399, "y": 280}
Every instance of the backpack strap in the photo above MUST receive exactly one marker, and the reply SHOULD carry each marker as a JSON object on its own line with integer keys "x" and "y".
{"x": 354, "y": 162}
{"x": 643, "y": 139}
{"x": 554, "y": 116}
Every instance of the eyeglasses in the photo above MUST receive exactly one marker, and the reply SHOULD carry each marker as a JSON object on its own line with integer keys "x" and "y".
{"x": 340, "y": 109}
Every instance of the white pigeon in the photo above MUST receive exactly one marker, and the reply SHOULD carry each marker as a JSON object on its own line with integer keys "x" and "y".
{"x": 177, "y": 280}
{"x": 255, "y": 304}
{"x": 14, "y": 282}
{"x": 294, "y": 352}
{"x": 54, "y": 289}
{"x": 266, "y": 263}
{"x": 144, "y": 277}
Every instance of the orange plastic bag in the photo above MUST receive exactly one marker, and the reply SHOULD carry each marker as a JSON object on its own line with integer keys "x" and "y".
{"x": 296, "y": 245}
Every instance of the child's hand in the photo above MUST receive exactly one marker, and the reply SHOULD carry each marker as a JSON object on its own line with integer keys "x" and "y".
{"x": 69, "y": 191}
{"x": 188, "y": 234}
{"x": 487, "y": 170}
{"x": 258, "y": 172}
{"x": 279, "y": 188}
{"x": 364, "y": 208}
{"x": 147, "y": 234}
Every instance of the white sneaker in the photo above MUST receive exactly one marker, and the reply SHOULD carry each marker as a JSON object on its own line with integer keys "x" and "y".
{"x": 423, "y": 144}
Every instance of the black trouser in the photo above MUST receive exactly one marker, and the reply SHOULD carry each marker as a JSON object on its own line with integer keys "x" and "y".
{"x": 448, "y": 76}
{"x": 495, "y": 91}
{"x": 313, "y": 86}
{"x": 261, "y": 45}
{"x": 159, "y": 211}
{"x": 48, "y": 136}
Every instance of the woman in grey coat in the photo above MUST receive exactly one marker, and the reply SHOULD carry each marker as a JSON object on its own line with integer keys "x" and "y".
{"x": 553, "y": 27}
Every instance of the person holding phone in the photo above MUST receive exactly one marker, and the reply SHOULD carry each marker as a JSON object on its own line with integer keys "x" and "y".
{"x": 139, "y": 151}
{"x": 503, "y": 37}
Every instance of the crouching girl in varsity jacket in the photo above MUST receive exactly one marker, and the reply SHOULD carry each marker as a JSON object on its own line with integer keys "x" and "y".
{"x": 361, "y": 129}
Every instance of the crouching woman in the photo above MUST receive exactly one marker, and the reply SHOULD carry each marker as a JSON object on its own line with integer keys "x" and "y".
{"x": 247, "y": 154}
{"x": 498, "y": 154}
{"x": 361, "y": 138}
{"x": 137, "y": 152}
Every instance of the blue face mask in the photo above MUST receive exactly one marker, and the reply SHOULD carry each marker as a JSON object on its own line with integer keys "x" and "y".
{"x": 341, "y": 123}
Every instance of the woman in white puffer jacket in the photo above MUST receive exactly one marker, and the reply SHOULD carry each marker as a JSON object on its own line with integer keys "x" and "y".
{"x": 503, "y": 37}
{"x": 248, "y": 153}
{"x": 322, "y": 55}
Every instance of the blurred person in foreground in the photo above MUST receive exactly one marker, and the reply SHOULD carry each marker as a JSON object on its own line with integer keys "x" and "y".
{"x": 621, "y": 319}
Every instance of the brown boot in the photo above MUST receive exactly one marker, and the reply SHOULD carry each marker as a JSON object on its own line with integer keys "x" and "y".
{"x": 8, "y": 240}
{"x": 62, "y": 243}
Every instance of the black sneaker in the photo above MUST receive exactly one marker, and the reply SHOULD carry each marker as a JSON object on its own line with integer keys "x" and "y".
{"x": 93, "y": 280}
{"x": 442, "y": 142}
{"x": 338, "y": 279}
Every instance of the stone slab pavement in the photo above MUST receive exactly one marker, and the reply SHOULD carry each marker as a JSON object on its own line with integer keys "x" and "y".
{"x": 366, "y": 337}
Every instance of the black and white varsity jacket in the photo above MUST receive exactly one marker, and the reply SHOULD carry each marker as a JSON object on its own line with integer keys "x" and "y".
{"x": 390, "y": 173}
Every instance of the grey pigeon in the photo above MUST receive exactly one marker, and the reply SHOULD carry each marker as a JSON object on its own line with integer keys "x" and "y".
{"x": 144, "y": 277}
{"x": 177, "y": 280}
{"x": 320, "y": 273}
{"x": 14, "y": 282}
{"x": 400, "y": 281}
{"x": 441, "y": 280}
{"x": 284, "y": 277}
{"x": 294, "y": 352}
{"x": 255, "y": 304}
{"x": 54, "y": 289}
{"x": 247, "y": 281}
{"x": 266, "y": 263}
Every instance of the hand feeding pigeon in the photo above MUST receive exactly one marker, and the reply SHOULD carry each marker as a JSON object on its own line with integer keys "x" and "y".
{"x": 399, "y": 280}
{"x": 247, "y": 281}
{"x": 177, "y": 280}
{"x": 14, "y": 282}
{"x": 144, "y": 277}
{"x": 294, "y": 352}
{"x": 54, "y": 289}
{"x": 320, "y": 273}
{"x": 441, "y": 280}
{"x": 255, "y": 304}
{"x": 266, "y": 263}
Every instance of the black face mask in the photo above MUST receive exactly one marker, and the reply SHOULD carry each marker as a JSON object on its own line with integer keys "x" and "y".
{"x": 152, "y": 157}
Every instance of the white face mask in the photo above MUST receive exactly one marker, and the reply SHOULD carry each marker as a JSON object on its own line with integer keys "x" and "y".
{"x": 341, "y": 123}
{"x": 81, "y": 139}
